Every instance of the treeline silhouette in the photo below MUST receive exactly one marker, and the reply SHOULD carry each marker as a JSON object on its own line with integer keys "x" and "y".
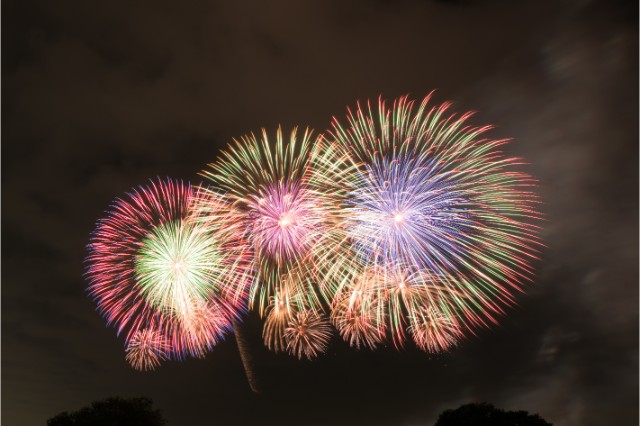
{"x": 140, "y": 412}
{"x": 487, "y": 415}
{"x": 112, "y": 412}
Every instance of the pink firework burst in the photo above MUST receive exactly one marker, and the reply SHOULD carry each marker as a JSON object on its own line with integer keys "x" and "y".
{"x": 283, "y": 206}
{"x": 152, "y": 266}
{"x": 115, "y": 245}
{"x": 284, "y": 217}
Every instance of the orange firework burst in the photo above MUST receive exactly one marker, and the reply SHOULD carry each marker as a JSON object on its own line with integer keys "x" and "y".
{"x": 434, "y": 331}
{"x": 146, "y": 349}
{"x": 307, "y": 334}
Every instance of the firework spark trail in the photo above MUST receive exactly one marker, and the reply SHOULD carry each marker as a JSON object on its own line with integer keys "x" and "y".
{"x": 152, "y": 267}
{"x": 429, "y": 203}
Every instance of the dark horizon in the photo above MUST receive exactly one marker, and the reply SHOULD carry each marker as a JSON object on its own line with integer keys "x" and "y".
{"x": 99, "y": 98}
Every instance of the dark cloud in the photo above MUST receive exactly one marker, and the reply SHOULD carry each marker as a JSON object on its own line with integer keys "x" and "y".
{"x": 100, "y": 97}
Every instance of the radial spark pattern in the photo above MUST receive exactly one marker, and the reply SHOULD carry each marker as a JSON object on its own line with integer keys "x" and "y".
{"x": 433, "y": 331}
{"x": 307, "y": 334}
{"x": 284, "y": 219}
{"x": 357, "y": 314}
{"x": 151, "y": 266}
{"x": 146, "y": 349}
{"x": 431, "y": 207}
{"x": 175, "y": 264}
{"x": 284, "y": 208}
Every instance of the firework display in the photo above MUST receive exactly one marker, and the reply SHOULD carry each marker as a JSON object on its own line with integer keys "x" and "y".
{"x": 402, "y": 223}
{"x": 168, "y": 286}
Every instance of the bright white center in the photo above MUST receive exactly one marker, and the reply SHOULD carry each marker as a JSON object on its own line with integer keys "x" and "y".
{"x": 178, "y": 265}
{"x": 398, "y": 217}
{"x": 285, "y": 220}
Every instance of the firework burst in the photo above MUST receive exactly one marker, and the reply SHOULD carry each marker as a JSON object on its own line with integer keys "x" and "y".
{"x": 279, "y": 312}
{"x": 289, "y": 298}
{"x": 429, "y": 204}
{"x": 280, "y": 202}
{"x": 356, "y": 313}
{"x": 152, "y": 267}
{"x": 146, "y": 349}
{"x": 174, "y": 266}
{"x": 433, "y": 331}
{"x": 307, "y": 334}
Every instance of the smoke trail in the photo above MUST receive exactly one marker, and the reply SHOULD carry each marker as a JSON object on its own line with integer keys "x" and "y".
{"x": 245, "y": 355}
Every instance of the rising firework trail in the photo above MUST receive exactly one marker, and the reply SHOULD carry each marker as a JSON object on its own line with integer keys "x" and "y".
{"x": 246, "y": 357}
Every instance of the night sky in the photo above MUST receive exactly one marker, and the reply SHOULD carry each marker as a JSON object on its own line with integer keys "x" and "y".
{"x": 99, "y": 97}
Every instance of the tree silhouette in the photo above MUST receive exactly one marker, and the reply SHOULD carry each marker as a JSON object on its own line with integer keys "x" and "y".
{"x": 488, "y": 415}
{"x": 112, "y": 412}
